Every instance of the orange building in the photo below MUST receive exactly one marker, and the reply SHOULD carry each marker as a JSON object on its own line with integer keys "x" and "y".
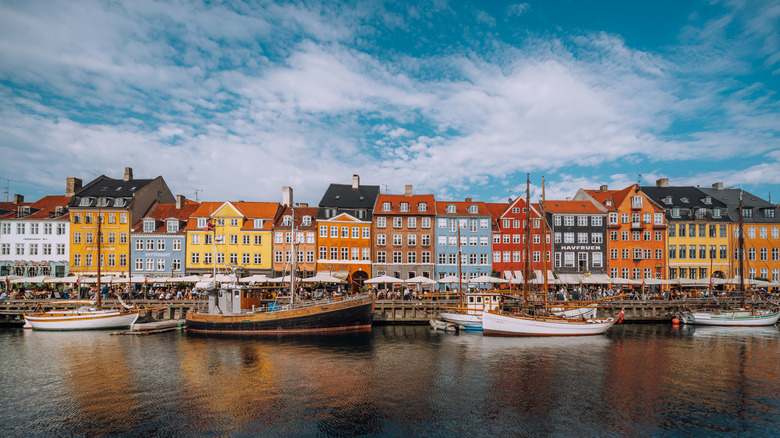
{"x": 636, "y": 232}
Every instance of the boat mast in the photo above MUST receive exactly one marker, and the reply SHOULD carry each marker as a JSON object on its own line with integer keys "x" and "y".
{"x": 99, "y": 221}
{"x": 292, "y": 257}
{"x": 741, "y": 254}
{"x": 460, "y": 275}
{"x": 544, "y": 244}
{"x": 527, "y": 237}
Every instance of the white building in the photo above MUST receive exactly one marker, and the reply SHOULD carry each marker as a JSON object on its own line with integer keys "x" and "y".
{"x": 34, "y": 237}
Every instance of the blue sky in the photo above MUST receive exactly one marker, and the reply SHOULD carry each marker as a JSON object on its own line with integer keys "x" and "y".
{"x": 459, "y": 99}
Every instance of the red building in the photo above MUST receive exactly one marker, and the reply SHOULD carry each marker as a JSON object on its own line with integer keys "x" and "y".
{"x": 509, "y": 237}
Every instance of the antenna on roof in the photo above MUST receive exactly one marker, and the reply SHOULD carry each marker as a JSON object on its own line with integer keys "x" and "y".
{"x": 639, "y": 179}
{"x": 196, "y": 194}
{"x": 386, "y": 188}
{"x": 7, "y": 188}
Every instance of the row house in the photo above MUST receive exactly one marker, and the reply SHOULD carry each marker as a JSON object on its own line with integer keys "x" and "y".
{"x": 117, "y": 204}
{"x": 762, "y": 232}
{"x": 296, "y": 223}
{"x": 463, "y": 227}
{"x": 34, "y": 237}
{"x": 403, "y": 234}
{"x": 344, "y": 220}
{"x": 158, "y": 241}
{"x": 578, "y": 228}
{"x": 231, "y": 236}
{"x": 510, "y": 238}
{"x": 636, "y": 232}
{"x": 698, "y": 241}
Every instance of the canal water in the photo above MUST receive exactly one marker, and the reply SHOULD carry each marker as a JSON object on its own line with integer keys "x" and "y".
{"x": 397, "y": 381}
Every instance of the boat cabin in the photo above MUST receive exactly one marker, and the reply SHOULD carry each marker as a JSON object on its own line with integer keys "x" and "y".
{"x": 481, "y": 301}
{"x": 234, "y": 300}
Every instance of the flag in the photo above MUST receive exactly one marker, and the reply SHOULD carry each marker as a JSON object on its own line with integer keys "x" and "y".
{"x": 210, "y": 225}
{"x": 643, "y": 285}
{"x": 620, "y": 315}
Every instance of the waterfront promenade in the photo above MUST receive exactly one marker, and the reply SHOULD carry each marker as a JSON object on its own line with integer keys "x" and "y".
{"x": 387, "y": 311}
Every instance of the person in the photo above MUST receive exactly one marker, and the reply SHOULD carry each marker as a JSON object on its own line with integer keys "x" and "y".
{"x": 4, "y": 295}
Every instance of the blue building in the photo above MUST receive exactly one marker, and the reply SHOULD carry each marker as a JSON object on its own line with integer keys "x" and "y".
{"x": 473, "y": 219}
{"x": 157, "y": 241}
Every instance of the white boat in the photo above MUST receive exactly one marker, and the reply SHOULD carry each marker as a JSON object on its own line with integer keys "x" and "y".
{"x": 469, "y": 316}
{"x": 734, "y": 317}
{"x": 83, "y": 318}
{"x": 500, "y": 324}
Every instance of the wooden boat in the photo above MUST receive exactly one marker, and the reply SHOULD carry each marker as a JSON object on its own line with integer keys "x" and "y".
{"x": 469, "y": 314}
{"x": 226, "y": 315}
{"x": 500, "y": 324}
{"x": 733, "y": 317}
{"x": 234, "y": 310}
{"x": 83, "y": 318}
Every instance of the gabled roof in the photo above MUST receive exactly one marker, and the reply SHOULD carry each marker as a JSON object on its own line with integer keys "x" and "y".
{"x": 344, "y": 197}
{"x": 164, "y": 212}
{"x": 300, "y": 212}
{"x": 676, "y": 194}
{"x": 413, "y": 201}
{"x": 44, "y": 208}
{"x": 575, "y": 207}
{"x": 730, "y": 197}
{"x": 461, "y": 208}
{"x": 267, "y": 211}
{"x": 105, "y": 187}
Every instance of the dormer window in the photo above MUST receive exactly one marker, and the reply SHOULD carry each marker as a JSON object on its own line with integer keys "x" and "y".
{"x": 102, "y": 202}
{"x": 668, "y": 200}
{"x": 716, "y": 212}
{"x": 708, "y": 200}
{"x": 404, "y": 206}
{"x": 148, "y": 226}
{"x": 361, "y": 213}
{"x": 422, "y": 206}
{"x": 675, "y": 211}
{"x": 173, "y": 226}
{"x": 608, "y": 203}
{"x": 747, "y": 212}
{"x": 201, "y": 222}
{"x": 769, "y": 212}
{"x": 306, "y": 221}
{"x": 287, "y": 221}
{"x": 451, "y": 208}
{"x": 386, "y": 206}
{"x": 258, "y": 223}
{"x": 636, "y": 202}
{"x": 701, "y": 213}
{"x": 473, "y": 209}
{"x": 84, "y": 202}
{"x": 684, "y": 200}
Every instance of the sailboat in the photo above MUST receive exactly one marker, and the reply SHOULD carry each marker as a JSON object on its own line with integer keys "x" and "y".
{"x": 537, "y": 321}
{"x": 742, "y": 316}
{"x": 233, "y": 311}
{"x": 89, "y": 316}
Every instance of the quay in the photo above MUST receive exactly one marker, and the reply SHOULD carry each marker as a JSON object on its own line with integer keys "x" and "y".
{"x": 386, "y": 312}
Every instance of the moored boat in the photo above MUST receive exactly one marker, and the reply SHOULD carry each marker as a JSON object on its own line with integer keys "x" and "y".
{"x": 733, "y": 317}
{"x": 82, "y": 318}
{"x": 469, "y": 315}
{"x": 499, "y": 324}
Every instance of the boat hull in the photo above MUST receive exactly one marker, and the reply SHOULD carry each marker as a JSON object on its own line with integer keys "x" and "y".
{"x": 736, "y": 318}
{"x": 470, "y": 321}
{"x": 80, "y": 320}
{"x": 580, "y": 312}
{"x": 511, "y": 325}
{"x": 331, "y": 318}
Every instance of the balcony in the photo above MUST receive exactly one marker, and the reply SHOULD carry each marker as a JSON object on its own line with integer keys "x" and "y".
{"x": 637, "y": 225}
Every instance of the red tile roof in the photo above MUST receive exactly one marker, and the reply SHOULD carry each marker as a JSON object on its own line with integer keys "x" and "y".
{"x": 413, "y": 201}
{"x": 582, "y": 207}
{"x": 461, "y": 208}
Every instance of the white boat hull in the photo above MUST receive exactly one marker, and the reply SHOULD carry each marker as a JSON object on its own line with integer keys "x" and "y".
{"x": 581, "y": 312}
{"x": 82, "y": 320}
{"x": 470, "y": 321}
{"x": 736, "y": 318}
{"x": 510, "y": 325}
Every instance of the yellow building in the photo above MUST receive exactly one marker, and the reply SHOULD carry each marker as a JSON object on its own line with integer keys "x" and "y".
{"x": 117, "y": 203}
{"x": 240, "y": 236}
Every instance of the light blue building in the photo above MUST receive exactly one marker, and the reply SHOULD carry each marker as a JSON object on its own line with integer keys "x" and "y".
{"x": 473, "y": 219}
{"x": 158, "y": 242}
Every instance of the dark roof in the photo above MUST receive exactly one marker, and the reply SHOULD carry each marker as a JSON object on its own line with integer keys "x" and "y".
{"x": 730, "y": 197}
{"x": 688, "y": 199}
{"x": 347, "y": 199}
{"x": 110, "y": 188}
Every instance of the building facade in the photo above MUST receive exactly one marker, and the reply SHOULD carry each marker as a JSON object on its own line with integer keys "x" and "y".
{"x": 34, "y": 237}
{"x": 463, "y": 227}
{"x": 158, "y": 241}
{"x": 116, "y": 203}
{"x": 636, "y": 232}
{"x": 579, "y": 229}
{"x": 403, "y": 235}
{"x": 231, "y": 236}
{"x": 509, "y": 241}
{"x": 299, "y": 223}
{"x": 344, "y": 238}
{"x": 697, "y": 231}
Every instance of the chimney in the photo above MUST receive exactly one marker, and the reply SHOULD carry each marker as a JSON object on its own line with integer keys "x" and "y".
{"x": 128, "y": 174}
{"x": 468, "y": 199}
{"x": 180, "y": 200}
{"x": 18, "y": 199}
{"x": 408, "y": 190}
{"x": 72, "y": 185}
{"x": 603, "y": 188}
{"x": 662, "y": 182}
{"x": 718, "y": 185}
{"x": 355, "y": 181}
{"x": 287, "y": 196}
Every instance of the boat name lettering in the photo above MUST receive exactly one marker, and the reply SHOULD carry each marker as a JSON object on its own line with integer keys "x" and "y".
{"x": 580, "y": 248}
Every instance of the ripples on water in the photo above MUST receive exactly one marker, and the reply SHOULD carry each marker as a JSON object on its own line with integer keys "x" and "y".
{"x": 639, "y": 380}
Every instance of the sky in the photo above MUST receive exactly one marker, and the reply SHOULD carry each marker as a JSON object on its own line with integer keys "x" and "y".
{"x": 234, "y": 100}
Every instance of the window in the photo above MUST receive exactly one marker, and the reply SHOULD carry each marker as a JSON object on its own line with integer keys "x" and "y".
{"x": 411, "y": 257}
{"x": 195, "y": 239}
{"x": 334, "y": 231}
{"x": 411, "y": 222}
{"x": 122, "y": 218}
{"x": 344, "y": 232}
{"x": 568, "y": 237}
{"x": 386, "y": 206}
{"x": 150, "y": 245}
{"x": 381, "y": 257}
{"x": 233, "y": 258}
{"x": 582, "y": 221}
{"x": 425, "y": 222}
{"x": 597, "y": 238}
{"x": 411, "y": 240}
{"x": 473, "y": 209}
{"x": 596, "y": 221}
{"x": 88, "y": 237}
{"x": 597, "y": 260}
{"x": 380, "y": 239}
{"x": 160, "y": 245}
{"x": 568, "y": 221}
{"x": 355, "y": 232}
{"x": 76, "y": 238}
{"x": 404, "y": 206}
{"x": 76, "y": 259}
{"x": 396, "y": 256}
{"x": 396, "y": 240}
{"x": 613, "y": 218}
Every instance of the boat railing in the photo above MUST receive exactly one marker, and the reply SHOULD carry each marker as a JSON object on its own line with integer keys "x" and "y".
{"x": 275, "y": 306}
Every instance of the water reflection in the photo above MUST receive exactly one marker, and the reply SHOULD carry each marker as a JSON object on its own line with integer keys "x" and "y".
{"x": 637, "y": 380}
